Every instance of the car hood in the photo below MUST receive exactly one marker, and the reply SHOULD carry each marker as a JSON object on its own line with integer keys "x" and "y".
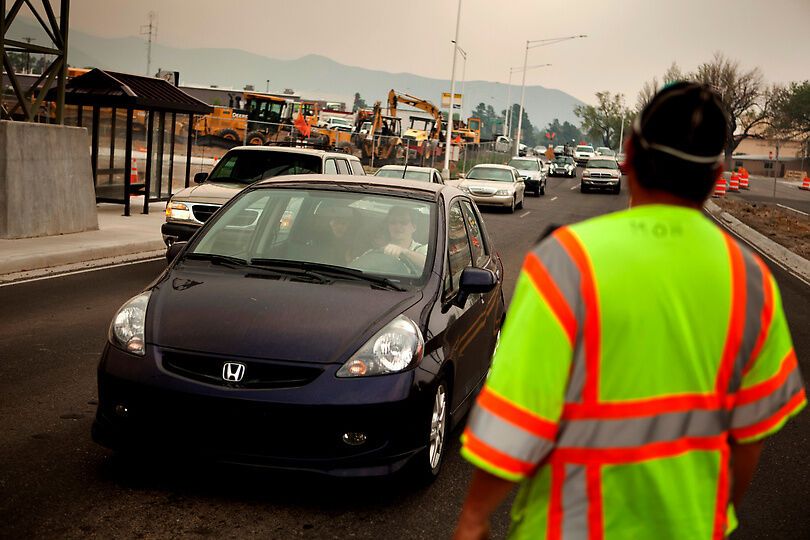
{"x": 591, "y": 170}
{"x": 231, "y": 312}
{"x": 209, "y": 192}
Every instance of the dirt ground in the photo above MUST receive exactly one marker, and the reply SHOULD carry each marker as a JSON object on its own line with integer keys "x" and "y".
{"x": 785, "y": 227}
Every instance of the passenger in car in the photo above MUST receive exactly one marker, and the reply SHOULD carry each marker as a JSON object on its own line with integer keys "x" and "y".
{"x": 336, "y": 246}
{"x": 401, "y": 226}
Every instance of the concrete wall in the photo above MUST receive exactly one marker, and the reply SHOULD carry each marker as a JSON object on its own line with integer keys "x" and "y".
{"x": 46, "y": 182}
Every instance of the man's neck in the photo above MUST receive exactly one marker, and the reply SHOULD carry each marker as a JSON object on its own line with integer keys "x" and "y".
{"x": 659, "y": 197}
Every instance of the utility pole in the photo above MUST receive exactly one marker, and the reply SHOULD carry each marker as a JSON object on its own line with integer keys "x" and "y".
{"x": 151, "y": 31}
{"x": 449, "y": 128}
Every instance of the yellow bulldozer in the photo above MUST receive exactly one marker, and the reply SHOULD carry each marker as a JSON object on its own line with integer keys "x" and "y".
{"x": 422, "y": 137}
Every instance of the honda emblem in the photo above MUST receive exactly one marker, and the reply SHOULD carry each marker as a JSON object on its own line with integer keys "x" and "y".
{"x": 233, "y": 371}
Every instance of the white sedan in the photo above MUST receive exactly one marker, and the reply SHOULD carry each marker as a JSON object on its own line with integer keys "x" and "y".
{"x": 494, "y": 185}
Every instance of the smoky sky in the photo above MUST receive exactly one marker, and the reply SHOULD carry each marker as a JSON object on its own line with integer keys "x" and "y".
{"x": 629, "y": 41}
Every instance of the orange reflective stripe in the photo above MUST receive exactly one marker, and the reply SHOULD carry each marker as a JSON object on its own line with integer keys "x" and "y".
{"x": 721, "y": 503}
{"x": 736, "y": 322}
{"x": 555, "y": 509}
{"x": 516, "y": 415}
{"x": 761, "y": 427}
{"x": 616, "y": 456}
{"x": 540, "y": 278}
{"x": 642, "y": 407}
{"x": 766, "y": 316}
{"x": 595, "y": 517}
{"x": 759, "y": 391}
{"x": 591, "y": 326}
{"x": 495, "y": 457}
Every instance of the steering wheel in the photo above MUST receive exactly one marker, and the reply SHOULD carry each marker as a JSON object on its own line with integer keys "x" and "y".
{"x": 377, "y": 260}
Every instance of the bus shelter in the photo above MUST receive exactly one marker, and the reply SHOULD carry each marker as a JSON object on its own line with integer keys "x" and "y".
{"x": 154, "y": 106}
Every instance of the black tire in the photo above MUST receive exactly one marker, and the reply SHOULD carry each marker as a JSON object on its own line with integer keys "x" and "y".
{"x": 617, "y": 189}
{"x": 583, "y": 189}
{"x": 519, "y": 205}
{"x": 228, "y": 134}
{"x": 428, "y": 463}
{"x": 514, "y": 203}
{"x": 542, "y": 190}
{"x": 255, "y": 138}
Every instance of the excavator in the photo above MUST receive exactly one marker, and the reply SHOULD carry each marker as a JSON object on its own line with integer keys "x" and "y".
{"x": 422, "y": 136}
{"x": 380, "y": 138}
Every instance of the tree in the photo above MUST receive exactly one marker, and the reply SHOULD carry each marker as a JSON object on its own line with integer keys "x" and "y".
{"x": 528, "y": 135}
{"x": 489, "y": 120}
{"x": 359, "y": 102}
{"x": 650, "y": 88}
{"x": 748, "y": 101}
{"x": 563, "y": 133}
{"x": 602, "y": 123}
{"x": 791, "y": 110}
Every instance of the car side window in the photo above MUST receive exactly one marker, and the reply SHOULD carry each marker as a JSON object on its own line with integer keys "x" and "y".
{"x": 476, "y": 238}
{"x": 357, "y": 167}
{"x": 330, "y": 167}
{"x": 342, "y": 166}
{"x": 458, "y": 245}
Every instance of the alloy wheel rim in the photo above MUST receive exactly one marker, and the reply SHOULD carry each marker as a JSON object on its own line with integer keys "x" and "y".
{"x": 438, "y": 422}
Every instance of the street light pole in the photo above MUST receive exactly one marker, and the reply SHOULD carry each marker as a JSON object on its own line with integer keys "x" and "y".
{"x": 531, "y": 45}
{"x": 507, "y": 116}
{"x": 463, "y": 75}
{"x": 446, "y": 169}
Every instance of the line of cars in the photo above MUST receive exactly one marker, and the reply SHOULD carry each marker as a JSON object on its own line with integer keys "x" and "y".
{"x": 334, "y": 323}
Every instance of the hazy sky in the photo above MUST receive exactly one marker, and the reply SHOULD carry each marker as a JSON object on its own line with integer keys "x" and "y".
{"x": 629, "y": 42}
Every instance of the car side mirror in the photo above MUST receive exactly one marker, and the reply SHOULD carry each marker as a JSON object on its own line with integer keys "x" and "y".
{"x": 475, "y": 281}
{"x": 462, "y": 175}
{"x": 200, "y": 177}
{"x": 174, "y": 250}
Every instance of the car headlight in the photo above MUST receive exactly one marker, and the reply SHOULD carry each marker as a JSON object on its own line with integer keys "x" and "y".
{"x": 502, "y": 192}
{"x": 177, "y": 211}
{"x": 398, "y": 346}
{"x": 127, "y": 327}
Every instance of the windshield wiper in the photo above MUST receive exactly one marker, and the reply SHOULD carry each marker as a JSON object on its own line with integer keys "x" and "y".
{"x": 314, "y": 268}
{"x": 216, "y": 258}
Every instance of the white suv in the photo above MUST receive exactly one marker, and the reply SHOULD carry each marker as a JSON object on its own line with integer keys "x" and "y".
{"x": 583, "y": 153}
{"x": 189, "y": 208}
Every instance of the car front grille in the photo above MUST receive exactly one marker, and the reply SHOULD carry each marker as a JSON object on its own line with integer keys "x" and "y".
{"x": 257, "y": 374}
{"x": 203, "y": 211}
{"x": 601, "y": 175}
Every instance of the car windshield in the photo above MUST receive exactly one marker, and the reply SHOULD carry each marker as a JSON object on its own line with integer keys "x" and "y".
{"x": 340, "y": 122}
{"x": 524, "y": 164}
{"x": 343, "y": 234}
{"x": 602, "y": 164}
{"x": 584, "y": 148}
{"x": 490, "y": 173}
{"x": 563, "y": 161}
{"x": 606, "y": 151}
{"x": 422, "y": 176}
{"x": 248, "y": 166}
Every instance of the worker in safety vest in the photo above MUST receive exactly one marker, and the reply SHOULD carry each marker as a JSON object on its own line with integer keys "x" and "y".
{"x": 658, "y": 359}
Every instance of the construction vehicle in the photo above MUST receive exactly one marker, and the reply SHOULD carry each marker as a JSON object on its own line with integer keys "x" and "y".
{"x": 470, "y": 131}
{"x": 379, "y": 137}
{"x": 423, "y": 134}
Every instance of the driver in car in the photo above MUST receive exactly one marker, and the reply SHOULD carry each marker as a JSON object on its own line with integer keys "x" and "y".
{"x": 401, "y": 228}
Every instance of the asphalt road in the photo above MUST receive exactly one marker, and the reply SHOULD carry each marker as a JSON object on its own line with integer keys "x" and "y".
{"x": 56, "y": 483}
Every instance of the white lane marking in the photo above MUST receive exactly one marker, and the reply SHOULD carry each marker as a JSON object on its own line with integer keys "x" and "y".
{"x": 574, "y": 187}
{"x": 82, "y": 271}
{"x": 555, "y": 198}
{"x": 789, "y": 208}
{"x": 525, "y": 214}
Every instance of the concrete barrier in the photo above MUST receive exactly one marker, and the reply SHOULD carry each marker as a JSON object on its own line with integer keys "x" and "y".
{"x": 46, "y": 182}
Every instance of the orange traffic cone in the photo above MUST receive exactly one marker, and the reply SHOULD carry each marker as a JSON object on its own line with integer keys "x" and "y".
{"x": 805, "y": 183}
{"x": 133, "y": 178}
{"x": 720, "y": 188}
{"x": 734, "y": 182}
{"x": 744, "y": 179}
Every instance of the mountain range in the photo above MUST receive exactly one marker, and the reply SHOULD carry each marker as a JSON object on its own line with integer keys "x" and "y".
{"x": 311, "y": 76}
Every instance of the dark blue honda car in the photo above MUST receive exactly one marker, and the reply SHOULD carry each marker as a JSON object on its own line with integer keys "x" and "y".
{"x": 317, "y": 323}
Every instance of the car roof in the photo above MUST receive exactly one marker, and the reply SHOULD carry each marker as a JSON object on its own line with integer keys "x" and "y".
{"x": 410, "y": 168}
{"x": 493, "y": 166}
{"x": 294, "y": 150}
{"x": 584, "y": 146}
{"x": 421, "y": 189}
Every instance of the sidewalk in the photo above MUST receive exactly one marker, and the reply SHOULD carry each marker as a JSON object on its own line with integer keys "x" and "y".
{"x": 118, "y": 239}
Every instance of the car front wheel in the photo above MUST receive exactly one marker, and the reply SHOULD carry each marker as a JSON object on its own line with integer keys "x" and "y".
{"x": 430, "y": 461}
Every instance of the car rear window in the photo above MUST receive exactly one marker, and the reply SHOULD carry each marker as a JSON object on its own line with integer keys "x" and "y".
{"x": 248, "y": 166}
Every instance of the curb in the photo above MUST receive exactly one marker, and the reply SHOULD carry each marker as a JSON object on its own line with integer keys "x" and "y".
{"x": 793, "y": 263}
